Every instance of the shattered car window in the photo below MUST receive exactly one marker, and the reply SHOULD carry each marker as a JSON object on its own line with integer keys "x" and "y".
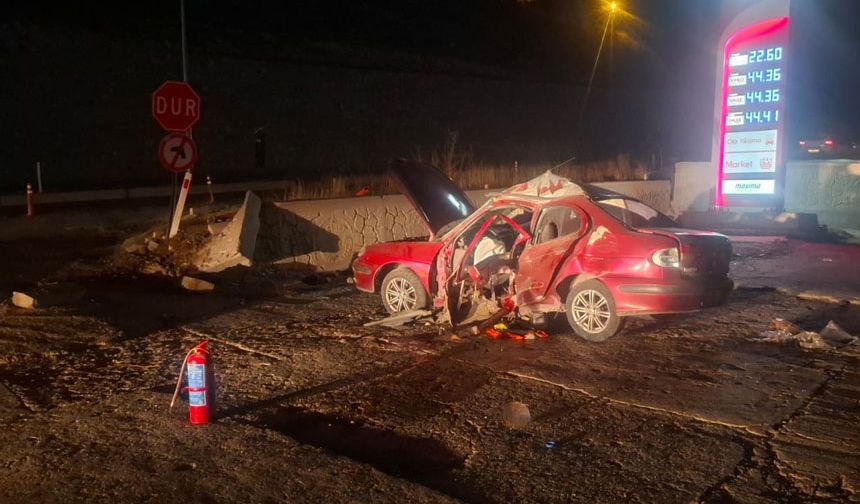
{"x": 635, "y": 214}
{"x": 499, "y": 228}
{"x": 555, "y": 222}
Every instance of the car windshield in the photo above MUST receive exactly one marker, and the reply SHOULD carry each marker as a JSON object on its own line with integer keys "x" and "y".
{"x": 635, "y": 214}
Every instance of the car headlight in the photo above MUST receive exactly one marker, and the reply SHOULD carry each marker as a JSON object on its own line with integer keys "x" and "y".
{"x": 667, "y": 258}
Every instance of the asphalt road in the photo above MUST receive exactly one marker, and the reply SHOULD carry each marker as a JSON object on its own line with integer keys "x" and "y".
{"x": 315, "y": 407}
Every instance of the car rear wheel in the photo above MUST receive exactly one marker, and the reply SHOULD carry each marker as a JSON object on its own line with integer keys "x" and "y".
{"x": 590, "y": 311}
{"x": 402, "y": 291}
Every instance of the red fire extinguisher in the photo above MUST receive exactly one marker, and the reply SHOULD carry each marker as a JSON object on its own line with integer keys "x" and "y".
{"x": 201, "y": 386}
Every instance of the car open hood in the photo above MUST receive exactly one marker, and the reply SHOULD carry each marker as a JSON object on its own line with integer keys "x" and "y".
{"x": 436, "y": 198}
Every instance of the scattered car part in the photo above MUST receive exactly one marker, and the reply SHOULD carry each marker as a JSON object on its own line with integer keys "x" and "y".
{"x": 399, "y": 319}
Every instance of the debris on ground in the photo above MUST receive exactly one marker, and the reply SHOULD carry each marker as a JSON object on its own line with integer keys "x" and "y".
{"x": 502, "y": 330}
{"x": 835, "y": 335}
{"x": 197, "y": 285}
{"x": 804, "y": 339}
{"x": 216, "y": 227}
{"x": 399, "y": 319}
{"x": 783, "y": 331}
{"x": 779, "y": 324}
{"x": 22, "y": 300}
{"x": 151, "y": 244}
{"x": 516, "y": 415}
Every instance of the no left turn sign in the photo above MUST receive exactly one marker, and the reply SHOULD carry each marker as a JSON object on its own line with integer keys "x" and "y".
{"x": 177, "y": 152}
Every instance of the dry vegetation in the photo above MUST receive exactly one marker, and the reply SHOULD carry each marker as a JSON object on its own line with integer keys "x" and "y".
{"x": 458, "y": 163}
{"x": 467, "y": 176}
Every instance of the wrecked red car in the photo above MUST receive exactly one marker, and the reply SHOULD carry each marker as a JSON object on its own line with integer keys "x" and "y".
{"x": 541, "y": 248}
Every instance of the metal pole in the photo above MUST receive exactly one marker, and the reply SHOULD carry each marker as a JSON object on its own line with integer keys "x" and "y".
{"x": 178, "y": 203}
{"x": 39, "y": 176}
{"x": 182, "y": 28}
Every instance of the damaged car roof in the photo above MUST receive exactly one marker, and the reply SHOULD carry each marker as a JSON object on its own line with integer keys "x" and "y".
{"x": 545, "y": 186}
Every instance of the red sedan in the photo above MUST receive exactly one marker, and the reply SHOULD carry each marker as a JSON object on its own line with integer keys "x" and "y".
{"x": 547, "y": 246}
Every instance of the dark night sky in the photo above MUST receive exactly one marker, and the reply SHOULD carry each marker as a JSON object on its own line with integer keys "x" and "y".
{"x": 665, "y": 45}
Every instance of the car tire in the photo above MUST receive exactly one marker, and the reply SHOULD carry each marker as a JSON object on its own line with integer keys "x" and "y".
{"x": 401, "y": 291}
{"x": 590, "y": 310}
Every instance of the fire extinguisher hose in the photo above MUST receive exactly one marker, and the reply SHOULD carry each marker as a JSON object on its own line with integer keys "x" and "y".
{"x": 201, "y": 347}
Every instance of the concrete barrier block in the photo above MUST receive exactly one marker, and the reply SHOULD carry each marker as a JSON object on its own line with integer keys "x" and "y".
{"x": 235, "y": 244}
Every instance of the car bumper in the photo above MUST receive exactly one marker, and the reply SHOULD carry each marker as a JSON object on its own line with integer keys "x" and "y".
{"x": 362, "y": 274}
{"x": 634, "y": 297}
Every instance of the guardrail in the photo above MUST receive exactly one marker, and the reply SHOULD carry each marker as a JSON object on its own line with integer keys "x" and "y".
{"x": 139, "y": 192}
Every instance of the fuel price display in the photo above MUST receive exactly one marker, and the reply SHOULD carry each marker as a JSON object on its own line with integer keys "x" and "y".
{"x": 753, "y": 110}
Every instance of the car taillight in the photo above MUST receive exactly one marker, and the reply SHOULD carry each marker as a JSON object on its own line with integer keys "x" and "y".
{"x": 803, "y": 142}
{"x": 667, "y": 258}
{"x": 828, "y": 142}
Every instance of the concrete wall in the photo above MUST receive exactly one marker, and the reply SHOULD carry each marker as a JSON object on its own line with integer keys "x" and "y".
{"x": 695, "y": 182}
{"x": 326, "y": 234}
{"x": 827, "y": 188}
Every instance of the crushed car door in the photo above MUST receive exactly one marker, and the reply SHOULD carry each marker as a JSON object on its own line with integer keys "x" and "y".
{"x": 466, "y": 281}
{"x": 556, "y": 232}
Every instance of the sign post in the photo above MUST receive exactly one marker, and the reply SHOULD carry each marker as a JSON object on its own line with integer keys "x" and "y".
{"x": 176, "y": 108}
{"x": 749, "y": 111}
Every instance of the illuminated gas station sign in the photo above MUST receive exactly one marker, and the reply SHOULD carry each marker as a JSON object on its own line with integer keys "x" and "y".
{"x": 752, "y": 114}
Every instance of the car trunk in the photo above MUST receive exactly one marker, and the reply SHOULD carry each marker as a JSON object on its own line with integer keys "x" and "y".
{"x": 703, "y": 253}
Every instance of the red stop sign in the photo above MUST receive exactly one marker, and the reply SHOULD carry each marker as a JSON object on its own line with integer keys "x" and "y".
{"x": 175, "y": 106}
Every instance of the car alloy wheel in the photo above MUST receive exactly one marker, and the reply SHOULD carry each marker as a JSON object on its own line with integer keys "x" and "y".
{"x": 400, "y": 295}
{"x": 401, "y": 291}
{"x": 590, "y": 310}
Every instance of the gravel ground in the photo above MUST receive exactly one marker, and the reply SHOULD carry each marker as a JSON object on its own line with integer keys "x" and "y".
{"x": 315, "y": 407}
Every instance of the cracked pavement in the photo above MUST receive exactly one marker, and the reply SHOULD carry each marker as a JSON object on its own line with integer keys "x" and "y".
{"x": 313, "y": 406}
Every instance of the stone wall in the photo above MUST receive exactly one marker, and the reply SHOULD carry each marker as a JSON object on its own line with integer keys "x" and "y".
{"x": 326, "y": 234}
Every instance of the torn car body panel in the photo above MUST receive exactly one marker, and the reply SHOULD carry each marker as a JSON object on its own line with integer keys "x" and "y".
{"x": 536, "y": 243}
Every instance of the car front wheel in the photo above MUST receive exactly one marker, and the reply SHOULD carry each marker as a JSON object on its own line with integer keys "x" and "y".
{"x": 402, "y": 291}
{"x": 590, "y": 311}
